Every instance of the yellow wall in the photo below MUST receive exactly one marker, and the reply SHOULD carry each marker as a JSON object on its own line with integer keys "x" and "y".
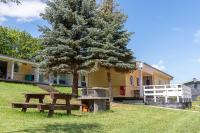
{"x": 24, "y": 69}
{"x": 160, "y": 79}
{"x": 99, "y": 79}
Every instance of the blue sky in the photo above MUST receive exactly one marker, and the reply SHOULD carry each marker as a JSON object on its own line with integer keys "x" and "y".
{"x": 167, "y": 32}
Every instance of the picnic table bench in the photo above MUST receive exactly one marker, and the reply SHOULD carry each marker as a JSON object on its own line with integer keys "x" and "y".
{"x": 28, "y": 97}
{"x": 47, "y": 106}
{"x": 54, "y": 106}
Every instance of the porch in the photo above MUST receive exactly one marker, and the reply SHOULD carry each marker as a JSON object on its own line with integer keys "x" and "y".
{"x": 165, "y": 94}
{"x": 171, "y": 96}
{"x": 18, "y": 69}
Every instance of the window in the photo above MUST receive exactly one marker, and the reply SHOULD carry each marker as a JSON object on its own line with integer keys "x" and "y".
{"x": 138, "y": 84}
{"x": 83, "y": 81}
{"x": 83, "y": 78}
{"x": 131, "y": 80}
{"x": 16, "y": 67}
{"x": 147, "y": 80}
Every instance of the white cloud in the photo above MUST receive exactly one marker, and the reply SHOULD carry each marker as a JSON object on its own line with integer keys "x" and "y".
{"x": 28, "y": 10}
{"x": 178, "y": 29}
{"x": 159, "y": 65}
{"x": 197, "y": 36}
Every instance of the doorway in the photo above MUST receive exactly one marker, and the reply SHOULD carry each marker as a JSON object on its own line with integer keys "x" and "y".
{"x": 3, "y": 69}
{"x": 147, "y": 80}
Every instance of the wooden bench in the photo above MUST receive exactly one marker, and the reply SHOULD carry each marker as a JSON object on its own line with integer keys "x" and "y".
{"x": 47, "y": 106}
{"x": 29, "y": 96}
{"x": 24, "y": 105}
{"x": 54, "y": 106}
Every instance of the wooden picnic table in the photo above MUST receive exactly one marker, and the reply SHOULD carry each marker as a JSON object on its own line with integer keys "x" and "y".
{"x": 28, "y": 97}
{"x": 39, "y": 96}
{"x": 55, "y": 106}
{"x": 47, "y": 106}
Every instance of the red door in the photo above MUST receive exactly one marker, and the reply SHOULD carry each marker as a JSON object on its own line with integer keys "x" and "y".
{"x": 122, "y": 90}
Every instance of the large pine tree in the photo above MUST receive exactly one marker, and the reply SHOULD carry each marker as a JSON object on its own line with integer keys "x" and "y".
{"x": 67, "y": 39}
{"x": 111, "y": 52}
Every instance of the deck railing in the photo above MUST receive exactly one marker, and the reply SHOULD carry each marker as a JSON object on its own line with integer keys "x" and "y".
{"x": 166, "y": 91}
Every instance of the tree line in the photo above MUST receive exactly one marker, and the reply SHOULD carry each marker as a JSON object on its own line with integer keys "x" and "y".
{"x": 19, "y": 44}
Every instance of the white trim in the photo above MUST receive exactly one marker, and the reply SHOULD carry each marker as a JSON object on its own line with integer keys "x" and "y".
{"x": 12, "y": 70}
{"x": 168, "y": 91}
{"x": 17, "y": 60}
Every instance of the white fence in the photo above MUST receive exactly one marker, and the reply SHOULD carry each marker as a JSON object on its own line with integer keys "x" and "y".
{"x": 179, "y": 91}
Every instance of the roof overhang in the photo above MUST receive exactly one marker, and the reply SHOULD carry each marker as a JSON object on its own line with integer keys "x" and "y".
{"x": 154, "y": 69}
{"x": 9, "y": 58}
{"x": 159, "y": 71}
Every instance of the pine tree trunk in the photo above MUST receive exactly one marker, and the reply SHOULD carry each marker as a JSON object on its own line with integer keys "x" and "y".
{"x": 75, "y": 84}
{"x": 110, "y": 84}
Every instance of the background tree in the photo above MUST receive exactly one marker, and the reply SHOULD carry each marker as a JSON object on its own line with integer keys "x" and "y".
{"x": 6, "y": 1}
{"x": 19, "y": 44}
{"x": 66, "y": 41}
{"x": 111, "y": 52}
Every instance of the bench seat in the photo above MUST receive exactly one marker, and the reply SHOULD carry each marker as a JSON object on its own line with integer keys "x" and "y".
{"x": 24, "y": 105}
{"x": 57, "y": 107}
{"x": 53, "y": 107}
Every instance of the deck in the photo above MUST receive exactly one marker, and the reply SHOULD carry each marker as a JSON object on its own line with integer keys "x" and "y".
{"x": 167, "y": 93}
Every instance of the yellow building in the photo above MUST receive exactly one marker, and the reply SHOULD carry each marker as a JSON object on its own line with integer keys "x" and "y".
{"x": 18, "y": 69}
{"x": 129, "y": 84}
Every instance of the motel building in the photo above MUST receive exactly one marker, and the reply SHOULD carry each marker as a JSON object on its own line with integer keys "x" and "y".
{"x": 146, "y": 82}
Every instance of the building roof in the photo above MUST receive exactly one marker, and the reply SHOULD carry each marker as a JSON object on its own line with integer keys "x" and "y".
{"x": 192, "y": 82}
{"x": 157, "y": 69}
{"x": 5, "y": 57}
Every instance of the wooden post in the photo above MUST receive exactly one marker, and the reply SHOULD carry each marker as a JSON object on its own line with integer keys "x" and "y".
{"x": 37, "y": 74}
{"x": 12, "y": 70}
{"x": 144, "y": 99}
{"x": 140, "y": 66}
{"x": 178, "y": 94}
{"x": 166, "y": 99}
{"x": 178, "y": 99}
{"x": 154, "y": 92}
{"x": 57, "y": 79}
{"x": 166, "y": 95}
{"x": 110, "y": 84}
{"x": 183, "y": 99}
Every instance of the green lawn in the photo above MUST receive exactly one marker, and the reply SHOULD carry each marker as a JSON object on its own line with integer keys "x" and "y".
{"x": 122, "y": 118}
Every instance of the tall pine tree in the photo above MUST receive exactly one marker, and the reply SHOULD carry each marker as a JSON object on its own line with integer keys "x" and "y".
{"x": 66, "y": 41}
{"x": 111, "y": 52}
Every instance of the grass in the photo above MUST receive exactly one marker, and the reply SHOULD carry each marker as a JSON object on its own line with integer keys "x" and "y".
{"x": 122, "y": 118}
{"x": 67, "y": 90}
{"x": 196, "y": 106}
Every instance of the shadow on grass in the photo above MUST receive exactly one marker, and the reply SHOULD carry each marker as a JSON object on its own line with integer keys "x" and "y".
{"x": 65, "y": 128}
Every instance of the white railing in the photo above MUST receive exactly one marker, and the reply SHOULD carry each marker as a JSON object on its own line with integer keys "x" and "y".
{"x": 166, "y": 91}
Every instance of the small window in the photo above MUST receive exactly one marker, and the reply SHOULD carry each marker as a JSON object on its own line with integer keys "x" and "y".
{"x": 131, "y": 80}
{"x": 16, "y": 67}
{"x": 138, "y": 82}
